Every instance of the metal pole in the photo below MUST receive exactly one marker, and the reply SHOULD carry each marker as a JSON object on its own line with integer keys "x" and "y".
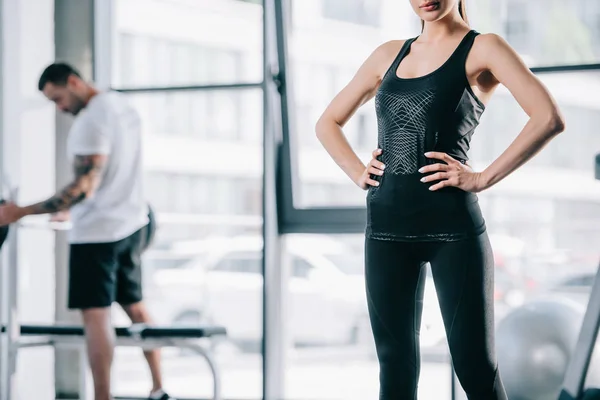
{"x": 10, "y": 294}
{"x": 4, "y": 262}
{"x": 574, "y": 381}
{"x": 9, "y": 165}
{"x": 4, "y": 349}
{"x": 453, "y": 381}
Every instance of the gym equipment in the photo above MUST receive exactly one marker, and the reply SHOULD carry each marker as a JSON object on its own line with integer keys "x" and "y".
{"x": 541, "y": 352}
{"x": 14, "y": 336}
{"x": 137, "y": 335}
{"x": 579, "y": 364}
{"x": 546, "y": 348}
{"x": 534, "y": 344}
{"x": 539, "y": 346}
{"x": 581, "y": 358}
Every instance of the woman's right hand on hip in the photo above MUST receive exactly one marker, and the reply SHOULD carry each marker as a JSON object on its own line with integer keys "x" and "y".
{"x": 374, "y": 167}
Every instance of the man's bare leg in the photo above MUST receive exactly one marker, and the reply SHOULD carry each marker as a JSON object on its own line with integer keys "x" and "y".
{"x": 99, "y": 336}
{"x": 138, "y": 313}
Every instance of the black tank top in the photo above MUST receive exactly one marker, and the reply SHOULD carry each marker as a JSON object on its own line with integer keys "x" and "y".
{"x": 435, "y": 112}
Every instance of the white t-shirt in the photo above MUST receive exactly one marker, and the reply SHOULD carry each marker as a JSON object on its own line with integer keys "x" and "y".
{"x": 117, "y": 209}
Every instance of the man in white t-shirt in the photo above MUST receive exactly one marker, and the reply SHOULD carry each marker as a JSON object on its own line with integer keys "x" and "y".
{"x": 108, "y": 212}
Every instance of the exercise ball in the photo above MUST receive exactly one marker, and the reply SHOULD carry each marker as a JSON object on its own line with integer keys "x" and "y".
{"x": 534, "y": 343}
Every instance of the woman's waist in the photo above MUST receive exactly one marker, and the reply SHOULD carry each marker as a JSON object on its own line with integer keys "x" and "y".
{"x": 408, "y": 192}
{"x": 403, "y": 205}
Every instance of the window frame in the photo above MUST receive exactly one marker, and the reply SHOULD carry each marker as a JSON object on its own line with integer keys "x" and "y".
{"x": 104, "y": 36}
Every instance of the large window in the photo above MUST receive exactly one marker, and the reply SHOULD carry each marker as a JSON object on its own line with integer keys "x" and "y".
{"x": 526, "y": 204}
{"x": 216, "y": 116}
{"x": 191, "y": 193}
{"x": 542, "y": 221}
{"x": 573, "y": 151}
{"x": 195, "y": 79}
{"x": 182, "y": 62}
{"x": 544, "y": 32}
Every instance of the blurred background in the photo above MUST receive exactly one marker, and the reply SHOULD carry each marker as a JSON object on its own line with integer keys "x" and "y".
{"x": 194, "y": 70}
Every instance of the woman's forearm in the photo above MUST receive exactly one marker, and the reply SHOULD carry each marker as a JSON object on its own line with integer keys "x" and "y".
{"x": 535, "y": 135}
{"x": 334, "y": 141}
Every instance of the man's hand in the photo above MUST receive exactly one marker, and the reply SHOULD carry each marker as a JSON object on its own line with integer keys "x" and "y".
{"x": 88, "y": 174}
{"x": 11, "y": 213}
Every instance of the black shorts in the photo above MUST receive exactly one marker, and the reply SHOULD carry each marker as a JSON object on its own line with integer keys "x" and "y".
{"x": 103, "y": 273}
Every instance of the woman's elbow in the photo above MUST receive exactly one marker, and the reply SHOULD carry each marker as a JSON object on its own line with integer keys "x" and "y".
{"x": 323, "y": 126}
{"x": 319, "y": 127}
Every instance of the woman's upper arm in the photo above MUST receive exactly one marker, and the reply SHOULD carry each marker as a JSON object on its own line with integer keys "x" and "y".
{"x": 363, "y": 86}
{"x": 510, "y": 70}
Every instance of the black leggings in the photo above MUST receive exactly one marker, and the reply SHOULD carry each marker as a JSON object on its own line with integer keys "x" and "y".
{"x": 463, "y": 272}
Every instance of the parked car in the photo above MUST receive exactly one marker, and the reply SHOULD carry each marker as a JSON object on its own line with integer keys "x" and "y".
{"x": 166, "y": 306}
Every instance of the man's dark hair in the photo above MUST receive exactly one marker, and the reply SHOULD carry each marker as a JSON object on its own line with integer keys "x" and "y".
{"x": 57, "y": 74}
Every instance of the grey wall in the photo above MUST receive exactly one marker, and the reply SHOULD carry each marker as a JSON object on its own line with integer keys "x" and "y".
{"x": 27, "y": 147}
{"x": 74, "y": 44}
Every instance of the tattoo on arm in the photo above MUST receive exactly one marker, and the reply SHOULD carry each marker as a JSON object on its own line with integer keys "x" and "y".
{"x": 88, "y": 173}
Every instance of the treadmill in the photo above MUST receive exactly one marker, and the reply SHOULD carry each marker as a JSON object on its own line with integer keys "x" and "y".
{"x": 577, "y": 370}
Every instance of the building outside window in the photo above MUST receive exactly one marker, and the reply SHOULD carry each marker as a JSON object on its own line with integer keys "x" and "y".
{"x": 362, "y": 12}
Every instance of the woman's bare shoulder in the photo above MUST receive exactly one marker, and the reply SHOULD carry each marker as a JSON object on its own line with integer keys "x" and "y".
{"x": 389, "y": 49}
{"x": 383, "y": 56}
{"x": 486, "y": 44}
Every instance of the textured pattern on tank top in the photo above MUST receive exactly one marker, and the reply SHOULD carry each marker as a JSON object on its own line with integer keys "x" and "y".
{"x": 434, "y": 112}
{"x": 402, "y": 132}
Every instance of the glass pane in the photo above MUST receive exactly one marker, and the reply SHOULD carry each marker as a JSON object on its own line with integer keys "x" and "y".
{"x": 332, "y": 354}
{"x": 232, "y": 116}
{"x": 552, "y": 201}
{"x": 180, "y": 43}
{"x": 543, "y": 32}
{"x": 203, "y": 179}
{"x": 359, "y": 12}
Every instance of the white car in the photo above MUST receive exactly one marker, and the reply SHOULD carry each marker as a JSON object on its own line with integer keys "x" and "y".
{"x": 326, "y": 302}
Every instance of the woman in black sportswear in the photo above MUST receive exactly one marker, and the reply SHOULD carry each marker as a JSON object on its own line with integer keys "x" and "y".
{"x": 430, "y": 92}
